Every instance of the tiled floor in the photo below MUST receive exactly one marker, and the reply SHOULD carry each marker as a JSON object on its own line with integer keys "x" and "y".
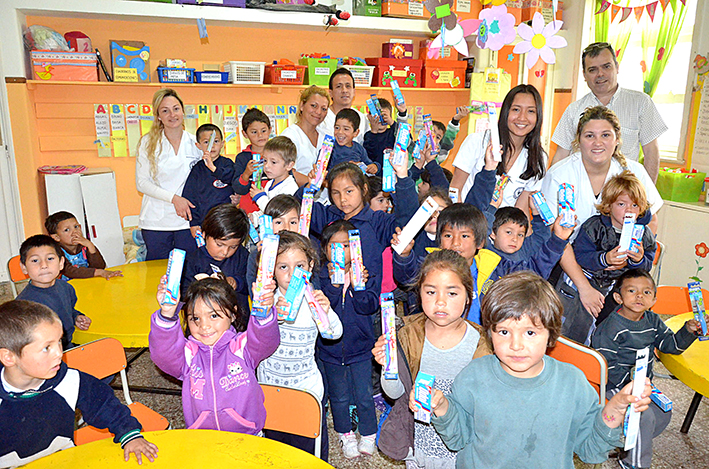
{"x": 673, "y": 450}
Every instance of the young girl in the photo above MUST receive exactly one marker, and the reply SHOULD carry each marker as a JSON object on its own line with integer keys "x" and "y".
{"x": 438, "y": 342}
{"x": 293, "y": 363}
{"x": 222, "y": 255}
{"x": 350, "y": 353}
{"x": 216, "y": 355}
{"x": 596, "y": 250}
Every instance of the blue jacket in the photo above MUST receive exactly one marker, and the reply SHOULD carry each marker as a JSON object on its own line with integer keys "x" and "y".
{"x": 355, "y": 310}
{"x": 532, "y": 243}
{"x": 438, "y": 178}
{"x": 375, "y": 144}
{"x": 207, "y": 189}
{"x": 343, "y": 154}
{"x": 240, "y": 162}
{"x": 60, "y": 298}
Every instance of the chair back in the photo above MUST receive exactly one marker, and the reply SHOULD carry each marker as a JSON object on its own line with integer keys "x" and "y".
{"x": 14, "y": 269}
{"x": 293, "y": 411}
{"x": 656, "y": 268}
{"x": 589, "y": 361}
{"x": 100, "y": 358}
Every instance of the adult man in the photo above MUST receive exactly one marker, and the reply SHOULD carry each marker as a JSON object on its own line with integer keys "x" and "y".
{"x": 342, "y": 92}
{"x": 641, "y": 123}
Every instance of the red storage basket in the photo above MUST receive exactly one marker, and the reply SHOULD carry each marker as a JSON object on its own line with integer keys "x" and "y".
{"x": 284, "y": 74}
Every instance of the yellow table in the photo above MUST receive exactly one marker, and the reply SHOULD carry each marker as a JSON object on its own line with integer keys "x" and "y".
{"x": 187, "y": 449}
{"x": 120, "y": 307}
{"x": 690, "y": 367}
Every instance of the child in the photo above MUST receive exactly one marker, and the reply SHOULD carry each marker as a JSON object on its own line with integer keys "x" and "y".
{"x": 41, "y": 258}
{"x": 379, "y": 201}
{"x": 209, "y": 182}
{"x": 256, "y": 128}
{"x": 83, "y": 259}
{"x": 350, "y": 354}
{"x": 40, "y": 395}
{"x": 438, "y": 342}
{"x": 215, "y": 355}
{"x": 429, "y": 172}
{"x": 383, "y": 136}
{"x": 293, "y": 362}
{"x": 508, "y": 232}
{"x": 279, "y": 157}
{"x": 519, "y": 407}
{"x": 223, "y": 254}
{"x": 630, "y": 328}
{"x": 448, "y": 134}
{"x": 596, "y": 250}
{"x": 346, "y": 149}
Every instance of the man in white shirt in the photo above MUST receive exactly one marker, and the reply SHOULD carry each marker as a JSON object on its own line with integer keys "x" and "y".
{"x": 342, "y": 92}
{"x": 641, "y": 123}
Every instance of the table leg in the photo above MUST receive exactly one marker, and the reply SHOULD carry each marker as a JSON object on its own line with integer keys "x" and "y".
{"x": 135, "y": 356}
{"x": 690, "y": 412}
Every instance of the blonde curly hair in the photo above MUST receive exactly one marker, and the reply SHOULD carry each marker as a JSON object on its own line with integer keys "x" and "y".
{"x": 154, "y": 147}
{"x": 602, "y": 113}
{"x": 306, "y": 94}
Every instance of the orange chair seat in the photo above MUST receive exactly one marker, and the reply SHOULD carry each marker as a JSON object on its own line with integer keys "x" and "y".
{"x": 148, "y": 418}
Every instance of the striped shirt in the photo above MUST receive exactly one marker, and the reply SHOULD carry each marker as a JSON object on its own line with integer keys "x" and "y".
{"x": 640, "y": 121}
{"x": 619, "y": 338}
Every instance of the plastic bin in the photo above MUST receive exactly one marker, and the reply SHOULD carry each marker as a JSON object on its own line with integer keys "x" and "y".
{"x": 319, "y": 70}
{"x": 245, "y": 73}
{"x": 284, "y": 74}
{"x": 175, "y": 75}
{"x": 211, "y": 77}
{"x": 362, "y": 74}
{"x": 64, "y": 66}
{"x": 405, "y": 9}
{"x": 444, "y": 73}
{"x": 680, "y": 187}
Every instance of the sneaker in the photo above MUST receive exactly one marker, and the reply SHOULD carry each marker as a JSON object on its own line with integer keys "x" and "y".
{"x": 368, "y": 445}
{"x": 348, "y": 441}
{"x": 354, "y": 419}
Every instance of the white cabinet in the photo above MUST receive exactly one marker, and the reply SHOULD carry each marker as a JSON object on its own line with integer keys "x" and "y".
{"x": 91, "y": 194}
{"x": 681, "y": 227}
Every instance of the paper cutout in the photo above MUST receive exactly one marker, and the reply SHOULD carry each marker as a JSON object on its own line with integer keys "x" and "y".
{"x": 615, "y": 9}
{"x": 651, "y": 7}
{"x": 133, "y": 128}
{"x": 497, "y": 28}
{"x": 638, "y": 12}
{"x": 203, "y": 114}
{"x": 202, "y": 28}
{"x": 539, "y": 40}
{"x": 441, "y": 15}
{"x": 218, "y": 115}
{"x": 118, "y": 131}
{"x": 604, "y": 6}
{"x": 103, "y": 130}
{"x": 231, "y": 130}
{"x": 626, "y": 13}
{"x": 494, "y": 2}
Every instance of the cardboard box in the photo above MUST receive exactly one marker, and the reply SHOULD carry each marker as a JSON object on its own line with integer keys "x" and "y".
{"x": 444, "y": 74}
{"x": 404, "y": 9}
{"x": 398, "y": 49}
{"x": 130, "y": 61}
{"x": 64, "y": 66}
{"x": 367, "y": 7}
{"x": 467, "y": 9}
{"x": 446, "y": 52}
{"x": 406, "y": 71}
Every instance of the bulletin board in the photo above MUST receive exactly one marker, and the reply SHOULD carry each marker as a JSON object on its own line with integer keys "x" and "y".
{"x": 698, "y": 153}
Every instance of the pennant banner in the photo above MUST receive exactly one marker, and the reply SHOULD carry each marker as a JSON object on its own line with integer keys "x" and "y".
{"x": 638, "y": 12}
{"x": 626, "y": 13}
{"x": 615, "y": 9}
{"x": 604, "y": 6}
{"x": 650, "y": 7}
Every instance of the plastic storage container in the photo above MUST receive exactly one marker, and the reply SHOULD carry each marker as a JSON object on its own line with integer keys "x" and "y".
{"x": 64, "y": 66}
{"x": 211, "y": 77}
{"x": 245, "y": 73}
{"x": 284, "y": 74}
{"x": 405, "y": 71}
{"x": 362, "y": 74}
{"x": 444, "y": 73}
{"x": 319, "y": 70}
{"x": 680, "y": 187}
{"x": 175, "y": 75}
{"x": 405, "y": 9}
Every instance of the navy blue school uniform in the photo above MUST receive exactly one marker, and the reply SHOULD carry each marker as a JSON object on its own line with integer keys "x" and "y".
{"x": 343, "y": 154}
{"x": 240, "y": 162}
{"x": 200, "y": 262}
{"x": 375, "y": 144}
{"x": 532, "y": 243}
{"x": 207, "y": 189}
{"x": 438, "y": 177}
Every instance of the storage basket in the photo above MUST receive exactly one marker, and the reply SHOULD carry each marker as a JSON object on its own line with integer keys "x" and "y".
{"x": 680, "y": 187}
{"x": 362, "y": 74}
{"x": 284, "y": 74}
{"x": 175, "y": 75}
{"x": 64, "y": 66}
{"x": 319, "y": 70}
{"x": 245, "y": 73}
{"x": 211, "y": 77}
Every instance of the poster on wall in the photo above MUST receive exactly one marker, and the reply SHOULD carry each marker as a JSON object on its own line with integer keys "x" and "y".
{"x": 700, "y": 149}
{"x": 103, "y": 130}
{"x": 231, "y": 130}
{"x": 133, "y": 128}
{"x": 118, "y": 131}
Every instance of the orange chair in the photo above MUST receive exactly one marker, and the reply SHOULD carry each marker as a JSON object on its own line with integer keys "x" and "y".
{"x": 16, "y": 275}
{"x": 293, "y": 411}
{"x": 657, "y": 261}
{"x": 586, "y": 359}
{"x": 102, "y": 358}
{"x": 675, "y": 300}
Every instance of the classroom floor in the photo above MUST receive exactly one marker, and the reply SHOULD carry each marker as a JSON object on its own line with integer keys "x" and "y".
{"x": 673, "y": 450}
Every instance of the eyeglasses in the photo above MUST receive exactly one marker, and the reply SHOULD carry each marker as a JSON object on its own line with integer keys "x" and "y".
{"x": 597, "y": 46}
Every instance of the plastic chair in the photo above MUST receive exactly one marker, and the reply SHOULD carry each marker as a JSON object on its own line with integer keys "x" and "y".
{"x": 293, "y": 411}
{"x": 14, "y": 268}
{"x": 675, "y": 300}
{"x": 102, "y": 358}
{"x": 657, "y": 261}
{"x": 586, "y": 359}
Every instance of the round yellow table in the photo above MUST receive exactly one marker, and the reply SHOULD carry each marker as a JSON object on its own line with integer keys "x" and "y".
{"x": 691, "y": 367}
{"x": 121, "y": 306}
{"x": 187, "y": 449}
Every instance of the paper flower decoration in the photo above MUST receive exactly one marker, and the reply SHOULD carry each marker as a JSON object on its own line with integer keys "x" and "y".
{"x": 494, "y": 2}
{"x": 441, "y": 14}
{"x": 701, "y": 250}
{"x": 454, "y": 38}
{"x": 539, "y": 40}
{"x": 496, "y": 28}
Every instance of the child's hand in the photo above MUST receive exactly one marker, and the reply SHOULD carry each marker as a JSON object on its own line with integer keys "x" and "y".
{"x": 439, "y": 403}
{"x": 561, "y": 231}
{"x": 694, "y": 326}
{"x": 395, "y": 242}
{"x": 253, "y": 192}
{"x": 497, "y": 202}
{"x": 379, "y": 350}
{"x": 490, "y": 163}
{"x": 616, "y": 260}
{"x": 80, "y": 240}
{"x": 532, "y": 205}
{"x": 231, "y": 281}
{"x": 207, "y": 158}
{"x": 82, "y": 322}
{"x": 402, "y": 170}
{"x": 461, "y": 112}
{"x": 140, "y": 446}
{"x": 235, "y": 199}
{"x": 265, "y": 296}
{"x": 614, "y": 411}
{"x": 322, "y": 299}
{"x": 372, "y": 169}
{"x": 166, "y": 310}
{"x": 249, "y": 170}
{"x": 365, "y": 274}
{"x": 108, "y": 273}
{"x": 376, "y": 127}
{"x": 427, "y": 156}
{"x": 637, "y": 257}
{"x": 400, "y": 107}
{"x": 194, "y": 230}
{"x": 282, "y": 308}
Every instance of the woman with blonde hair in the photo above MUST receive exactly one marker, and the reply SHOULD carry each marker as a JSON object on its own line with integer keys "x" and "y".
{"x": 312, "y": 110}
{"x": 165, "y": 155}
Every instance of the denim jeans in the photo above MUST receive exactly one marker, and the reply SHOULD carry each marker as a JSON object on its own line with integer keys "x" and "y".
{"x": 339, "y": 390}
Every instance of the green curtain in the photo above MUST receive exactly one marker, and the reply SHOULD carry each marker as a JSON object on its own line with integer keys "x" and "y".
{"x": 655, "y": 38}
{"x": 617, "y": 34}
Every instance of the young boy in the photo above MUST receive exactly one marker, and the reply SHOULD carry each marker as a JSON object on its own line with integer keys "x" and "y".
{"x": 342, "y": 92}
{"x": 205, "y": 186}
{"x": 508, "y": 233}
{"x": 83, "y": 259}
{"x": 449, "y": 133}
{"x": 383, "y": 136}
{"x": 630, "y": 328}
{"x": 41, "y": 258}
{"x": 346, "y": 149}
{"x": 256, "y": 128}
{"x": 39, "y": 395}
{"x": 279, "y": 157}
{"x": 519, "y": 407}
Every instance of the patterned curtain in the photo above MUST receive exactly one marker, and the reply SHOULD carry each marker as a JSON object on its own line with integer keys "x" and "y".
{"x": 616, "y": 34}
{"x": 660, "y": 37}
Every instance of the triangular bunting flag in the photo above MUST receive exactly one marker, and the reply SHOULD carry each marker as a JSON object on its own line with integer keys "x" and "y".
{"x": 604, "y": 6}
{"x": 651, "y": 7}
{"x": 615, "y": 9}
{"x": 683, "y": 2}
{"x": 664, "y": 4}
{"x": 639, "y": 12}
{"x": 626, "y": 12}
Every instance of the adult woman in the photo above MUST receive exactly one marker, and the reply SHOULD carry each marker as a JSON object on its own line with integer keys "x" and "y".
{"x": 165, "y": 155}
{"x": 312, "y": 109}
{"x": 523, "y": 158}
{"x": 597, "y": 159}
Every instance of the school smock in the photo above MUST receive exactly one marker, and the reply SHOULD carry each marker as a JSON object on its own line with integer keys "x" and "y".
{"x": 37, "y": 423}
{"x": 156, "y": 211}
{"x": 342, "y": 154}
{"x": 293, "y": 363}
{"x": 219, "y": 386}
{"x": 207, "y": 189}
{"x": 471, "y": 159}
{"x": 496, "y": 420}
{"x": 270, "y": 190}
{"x": 327, "y": 126}
{"x": 307, "y": 153}
{"x": 572, "y": 171}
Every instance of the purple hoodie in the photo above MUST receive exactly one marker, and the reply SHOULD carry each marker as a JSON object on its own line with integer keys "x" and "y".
{"x": 219, "y": 386}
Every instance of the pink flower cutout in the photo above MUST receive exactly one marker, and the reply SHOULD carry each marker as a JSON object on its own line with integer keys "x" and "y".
{"x": 498, "y": 28}
{"x": 539, "y": 40}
